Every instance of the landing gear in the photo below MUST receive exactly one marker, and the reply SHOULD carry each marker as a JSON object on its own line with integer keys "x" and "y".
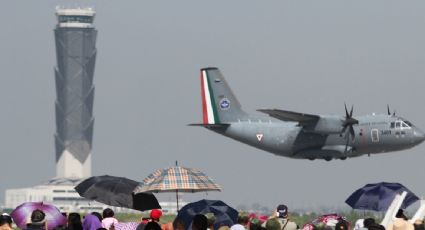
{"x": 343, "y": 158}
{"x": 328, "y": 158}
{"x": 312, "y": 158}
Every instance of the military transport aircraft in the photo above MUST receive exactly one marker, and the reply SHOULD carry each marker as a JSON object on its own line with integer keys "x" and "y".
{"x": 300, "y": 135}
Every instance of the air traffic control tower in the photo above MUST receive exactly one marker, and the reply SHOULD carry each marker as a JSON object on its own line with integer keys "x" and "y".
{"x": 75, "y": 38}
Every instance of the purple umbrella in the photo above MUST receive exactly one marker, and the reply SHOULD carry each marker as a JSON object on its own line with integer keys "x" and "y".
{"x": 22, "y": 214}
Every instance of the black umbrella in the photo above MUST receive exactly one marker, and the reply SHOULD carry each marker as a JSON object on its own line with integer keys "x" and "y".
{"x": 116, "y": 191}
{"x": 379, "y": 196}
{"x": 224, "y": 214}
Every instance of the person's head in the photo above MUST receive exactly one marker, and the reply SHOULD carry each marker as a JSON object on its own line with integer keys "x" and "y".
{"x": 152, "y": 226}
{"x": 74, "y": 221}
{"x": 200, "y": 222}
{"x": 368, "y": 221}
{"x": 38, "y": 217}
{"x": 341, "y": 225}
{"x": 155, "y": 214}
{"x": 178, "y": 224}
{"x": 211, "y": 221}
{"x": 376, "y": 226}
{"x": 282, "y": 211}
{"x": 5, "y": 222}
{"x": 243, "y": 220}
{"x": 255, "y": 224}
{"x": 98, "y": 215}
{"x": 273, "y": 224}
{"x": 91, "y": 222}
{"x": 108, "y": 213}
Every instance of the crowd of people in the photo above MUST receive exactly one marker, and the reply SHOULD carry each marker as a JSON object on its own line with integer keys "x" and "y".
{"x": 279, "y": 220}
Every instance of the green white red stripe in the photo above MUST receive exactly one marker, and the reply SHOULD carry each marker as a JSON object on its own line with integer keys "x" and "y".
{"x": 209, "y": 110}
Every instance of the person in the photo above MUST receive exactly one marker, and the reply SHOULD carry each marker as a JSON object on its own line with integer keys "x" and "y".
{"x": 108, "y": 220}
{"x": 98, "y": 215}
{"x": 273, "y": 224}
{"x": 155, "y": 215}
{"x": 91, "y": 222}
{"x": 419, "y": 225}
{"x": 199, "y": 222}
{"x": 178, "y": 224}
{"x": 282, "y": 217}
{"x": 400, "y": 222}
{"x": 74, "y": 221}
{"x": 5, "y": 222}
{"x": 341, "y": 225}
{"x": 255, "y": 224}
{"x": 37, "y": 221}
{"x": 242, "y": 223}
{"x": 152, "y": 226}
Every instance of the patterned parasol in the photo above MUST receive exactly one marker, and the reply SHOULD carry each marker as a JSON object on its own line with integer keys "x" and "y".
{"x": 177, "y": 179}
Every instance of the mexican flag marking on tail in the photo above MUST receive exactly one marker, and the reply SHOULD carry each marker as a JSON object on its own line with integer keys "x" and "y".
{"x": 209, "y": 110}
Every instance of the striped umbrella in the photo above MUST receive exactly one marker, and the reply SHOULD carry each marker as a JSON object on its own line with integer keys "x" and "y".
{"x": 177, "y": 179}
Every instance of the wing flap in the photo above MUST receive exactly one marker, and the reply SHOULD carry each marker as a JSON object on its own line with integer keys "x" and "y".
{"x": 301, "y": 118}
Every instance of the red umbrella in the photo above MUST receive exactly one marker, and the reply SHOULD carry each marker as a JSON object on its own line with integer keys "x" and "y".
{"x": 22, "y": 214}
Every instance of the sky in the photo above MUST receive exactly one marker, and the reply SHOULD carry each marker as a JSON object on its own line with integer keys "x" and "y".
{"x": 306, "y": 56}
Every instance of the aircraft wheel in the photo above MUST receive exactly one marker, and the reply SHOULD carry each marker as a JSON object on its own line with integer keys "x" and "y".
{"x": 343, "y": 158}
{"x": 312, "y": 158}
{"x": 328, "y": 158}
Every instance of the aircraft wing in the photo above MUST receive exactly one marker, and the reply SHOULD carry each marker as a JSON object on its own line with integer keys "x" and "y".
{"x": 302, "y": 118}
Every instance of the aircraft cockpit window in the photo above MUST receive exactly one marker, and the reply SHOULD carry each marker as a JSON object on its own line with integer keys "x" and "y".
{"x": 408, "y": 123}
{"x": 397, "y": 124}
{"x": 404, "y": 125}
{"x": 392, "y": 125}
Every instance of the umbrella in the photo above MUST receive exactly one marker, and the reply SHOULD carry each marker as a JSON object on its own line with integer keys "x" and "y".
{"x": 327, "y": 220}
{"x": 379, "y": 196}
{"x": 224, "y": 214}
{"x": 177, "y": 179}
{"x": 22, "y": 214}
{"x": 116, "y": 191}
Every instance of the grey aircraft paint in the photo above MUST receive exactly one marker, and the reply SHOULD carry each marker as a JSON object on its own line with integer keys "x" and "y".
{"x": 302, "y": 136}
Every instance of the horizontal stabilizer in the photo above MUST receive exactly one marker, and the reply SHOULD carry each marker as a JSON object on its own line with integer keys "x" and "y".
{"x": 220, "y": 125}
{"x": 283, "y": 115}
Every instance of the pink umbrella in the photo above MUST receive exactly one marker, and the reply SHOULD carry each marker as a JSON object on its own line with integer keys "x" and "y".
{"x": 22, "y": 214}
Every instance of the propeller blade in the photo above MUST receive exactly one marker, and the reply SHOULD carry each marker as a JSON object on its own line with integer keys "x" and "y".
{"x": 351, "y": 111}
{"x": 352, "y": 131}
{"x": 388, "y": 109}
{"x": 346, "y": 147}
{"x": 346, "y": 111}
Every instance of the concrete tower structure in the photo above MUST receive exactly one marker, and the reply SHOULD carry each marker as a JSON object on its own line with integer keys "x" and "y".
{"x": 75, "y": 38}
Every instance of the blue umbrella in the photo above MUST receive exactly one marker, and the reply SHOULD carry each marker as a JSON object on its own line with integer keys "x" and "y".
{"x": 224, "y": 214}
{"x": 378, "y": 197}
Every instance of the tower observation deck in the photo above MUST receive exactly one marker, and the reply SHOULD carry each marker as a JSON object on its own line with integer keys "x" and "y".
{"x": 75, "y": 38}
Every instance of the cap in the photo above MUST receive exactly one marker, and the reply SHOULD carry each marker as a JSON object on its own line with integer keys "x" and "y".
{"x": 156, "y": 214}
{"x": 282, "y": 210}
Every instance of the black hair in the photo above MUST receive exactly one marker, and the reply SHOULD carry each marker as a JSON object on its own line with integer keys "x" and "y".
{"x": 341, "y": 225}
{"x": 367, "y": 222}
{"x": 152, "y": 226}
{"x": 200, "y": 222}
{"x": 5, "y": 219}
{"x": 98, "y": 215}
{"x": 107, "y": 213}
{"x": 74, "y": 221}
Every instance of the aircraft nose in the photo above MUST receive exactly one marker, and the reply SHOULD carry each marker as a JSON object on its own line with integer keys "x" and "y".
{"x": 419, "y": 136}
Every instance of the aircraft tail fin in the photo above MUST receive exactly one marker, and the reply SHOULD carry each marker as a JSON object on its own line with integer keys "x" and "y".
{"x": 219, "y": 104}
